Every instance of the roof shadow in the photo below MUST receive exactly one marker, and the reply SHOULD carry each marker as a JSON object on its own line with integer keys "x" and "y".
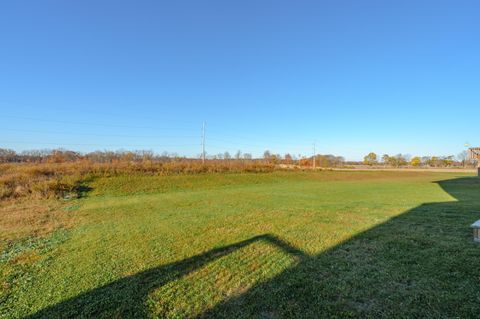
{"x": 125, "y": 298}
{"x": 419, "y": 264}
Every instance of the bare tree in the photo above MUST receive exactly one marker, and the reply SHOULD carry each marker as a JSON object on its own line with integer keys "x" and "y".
{"x": 238, "y": 155}
{"x": 463, "y": 157}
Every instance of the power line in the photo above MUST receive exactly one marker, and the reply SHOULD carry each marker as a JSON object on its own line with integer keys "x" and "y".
{"x": 248, "y": 138}
{"x": 98, "y": 145}
{"x": 90, "y": 111}
{"x": 203, "y": 143}
{"x": 266, "y": 145}
{"x": 255, "y": 135}
{"x": 94, "y": 124}
{"x": 92, "y": 134}
{"x": 230, "y": 144}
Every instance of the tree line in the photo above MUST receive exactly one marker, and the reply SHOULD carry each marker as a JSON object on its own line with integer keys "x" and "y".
{"x": 139, "y": 156}
{"x": 62, "y": 156}
{"x": 400, "y": 160}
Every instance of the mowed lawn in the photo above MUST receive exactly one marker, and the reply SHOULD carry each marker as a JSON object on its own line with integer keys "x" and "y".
{"x": 269, "y": 245}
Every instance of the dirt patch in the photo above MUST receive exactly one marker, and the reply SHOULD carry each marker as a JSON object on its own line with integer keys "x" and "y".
{"x": 20, "y": 219}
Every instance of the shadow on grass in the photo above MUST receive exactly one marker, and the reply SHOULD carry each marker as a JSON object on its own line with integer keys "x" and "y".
{"x": 420, "y": 264}
{"x": 125, "y": 298}
{"x": 82, "y": 190}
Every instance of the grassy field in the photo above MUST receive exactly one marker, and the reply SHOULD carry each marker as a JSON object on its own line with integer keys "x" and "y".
{"x": 265, "y": 245}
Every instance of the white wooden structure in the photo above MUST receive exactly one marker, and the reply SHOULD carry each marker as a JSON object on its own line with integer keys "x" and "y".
{"x": 476, "y": 231}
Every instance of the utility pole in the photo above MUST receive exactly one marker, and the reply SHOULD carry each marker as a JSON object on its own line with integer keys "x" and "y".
{"x": 203, "y": 143}
{"x": 314, "y": 156}
{"x": 468, "y": 155}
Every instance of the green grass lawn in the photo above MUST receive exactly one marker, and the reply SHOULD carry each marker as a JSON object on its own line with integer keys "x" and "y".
{"x": 270, "y": 245}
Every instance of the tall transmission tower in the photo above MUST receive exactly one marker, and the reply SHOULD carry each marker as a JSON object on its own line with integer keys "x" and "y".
{"x": 203, "y": 143}
{"x": 314, "y": 156}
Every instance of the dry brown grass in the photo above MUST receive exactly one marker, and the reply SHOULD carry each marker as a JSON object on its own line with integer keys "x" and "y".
{"x": 53, "y": 180}
{"x": 29, "y": 192}
{"x": 25, "y": 218}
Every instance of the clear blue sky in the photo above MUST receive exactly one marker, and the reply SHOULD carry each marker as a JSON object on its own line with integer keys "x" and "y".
{"x": 354, "y": 76}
